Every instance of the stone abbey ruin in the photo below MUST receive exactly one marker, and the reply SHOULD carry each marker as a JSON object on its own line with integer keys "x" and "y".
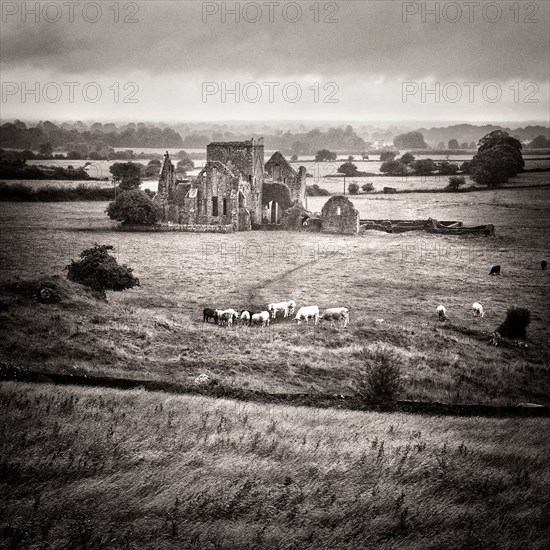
{"x": 234, "y": 191}
{"x": 237, "y": 191}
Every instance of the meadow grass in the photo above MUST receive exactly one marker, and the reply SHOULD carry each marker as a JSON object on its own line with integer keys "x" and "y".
{"x": 156, "y": 331}
{"x": 96, "y": 468}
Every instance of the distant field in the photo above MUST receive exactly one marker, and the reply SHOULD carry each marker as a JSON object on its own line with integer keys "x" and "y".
{"x": 156, "y": 331}
{"x": 320, "y": 172}
{"x": 333, "y": 185}
{"x": 98, "y": 468}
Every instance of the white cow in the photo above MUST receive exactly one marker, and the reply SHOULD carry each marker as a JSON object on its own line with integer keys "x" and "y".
{"x": 286, "y": 307}
{"x": 478, "y": 310}
{"x": 306, "y": 313}
{"x": 228, "y": 317}
{"x": 442, "y": 312}
{"x": 261, "y": 318}
{"x": 336, "y": 314}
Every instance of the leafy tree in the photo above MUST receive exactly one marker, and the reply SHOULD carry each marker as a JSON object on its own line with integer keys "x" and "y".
{"x": 407, "y": 158}
{"x": 152, "y": 169}
{"x": 464, "y": 145}
{"x": 367, "y": 187}
{"x": 465, "y": 166}
{"x": 456, "y": 181}
{"x": 540, "y": 142}
{"x": 135, "y": 208}
{"x": 441, "y": 145}
{"x": 294, "y": 158}
{"x": 100, "y": 271}
{"x": 500, "y": 138}
{"x": 127, "y": 174}
{"x": 499, "y": 157}
{"x": 394, "y": 168}
{"x": 424, "y": 167}
{"x": 46, "y": 149}
{"x": 316, "y": 191}
{"x": 447, "y": 168}
{"x": 298, "y": 148}
{"x": 325, "y": 155}
{"x": 452, "y": 144}
{"x": 184, "y": 165}
{"x": 387, "y": 155}
{"x": 353, "y": 188}
{"x": 472, "y": 145}
{"x": 494, "y": 166}
{"x": 351, "y": 158}
{"x": 410, "y": 140}
{"x": 349, "y": 169}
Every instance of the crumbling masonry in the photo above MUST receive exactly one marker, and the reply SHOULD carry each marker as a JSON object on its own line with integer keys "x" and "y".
{"x": 232, "y": 189}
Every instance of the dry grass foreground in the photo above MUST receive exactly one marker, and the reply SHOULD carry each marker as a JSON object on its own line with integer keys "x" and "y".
{"x": 96, "y": 468}
{"x": 156, "y": 331}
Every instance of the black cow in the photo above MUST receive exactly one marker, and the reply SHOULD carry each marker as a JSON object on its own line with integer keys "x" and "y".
{"x": 544, "y": 265}
{"x": 209, "y": 313}
{"x": 495, "y": 270}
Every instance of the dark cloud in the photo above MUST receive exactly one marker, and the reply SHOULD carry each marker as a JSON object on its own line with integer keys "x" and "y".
{"x": 370, "y": 38}
{"x": 369, "y": 52}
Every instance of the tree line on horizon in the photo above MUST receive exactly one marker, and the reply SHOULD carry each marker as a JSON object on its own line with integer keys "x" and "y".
{"x": 97, "y": 141}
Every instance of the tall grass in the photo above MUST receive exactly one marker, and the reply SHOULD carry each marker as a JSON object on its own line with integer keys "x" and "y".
{"x": 95, "y": 468}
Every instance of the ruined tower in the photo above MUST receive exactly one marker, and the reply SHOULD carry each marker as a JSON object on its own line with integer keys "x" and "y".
{"x": 246, "y": 158}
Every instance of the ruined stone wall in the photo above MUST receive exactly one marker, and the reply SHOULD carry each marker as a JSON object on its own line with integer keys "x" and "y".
{"x": 248, "y": 158}
{"x": 282, "y": 172}
{"x": 167, "y": 179}
{"x": 193, "y": 228}
{"x": 339, "y": 216}
{"x": 429, "y": 225}
{"x": 214, "y": 198}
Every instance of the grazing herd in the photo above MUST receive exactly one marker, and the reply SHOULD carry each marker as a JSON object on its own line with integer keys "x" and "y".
{"x": 476, "y": 307}
{"x": 229, "y": 317}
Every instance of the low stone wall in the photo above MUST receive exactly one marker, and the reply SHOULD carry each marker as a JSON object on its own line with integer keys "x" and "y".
{"x": 202, "y": 228}
{"x": 485, "y": 230}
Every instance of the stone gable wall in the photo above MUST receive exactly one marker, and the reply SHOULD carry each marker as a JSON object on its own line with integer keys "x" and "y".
{"x": 339, "y": 216}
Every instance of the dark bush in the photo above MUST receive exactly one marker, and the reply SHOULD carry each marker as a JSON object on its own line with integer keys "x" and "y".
{"x": 367, "y": 187}
{"x": 353, "y": 188}
{"x": 134, "y": 208}
{"x": 316, "y": 191}
{"x": 515, "y": 324}
{"x": 456, "y": 181}
{"x": 386, "y": 156}
{"x": 100, "y": 271}
{"x": 380, "y": 383}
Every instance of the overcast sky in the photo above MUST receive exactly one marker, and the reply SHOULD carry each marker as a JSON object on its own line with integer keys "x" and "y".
{"x": 355, "y": 67}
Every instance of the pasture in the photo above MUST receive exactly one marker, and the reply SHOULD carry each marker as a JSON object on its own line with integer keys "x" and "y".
{"x": 156, "y": 331}
{"x": 96, "y": 468}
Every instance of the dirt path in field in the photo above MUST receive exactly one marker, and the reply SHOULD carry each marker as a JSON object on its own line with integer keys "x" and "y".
{"x": 253, "y": 294}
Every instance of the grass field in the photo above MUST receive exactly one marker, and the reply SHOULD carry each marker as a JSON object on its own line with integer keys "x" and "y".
{"x": 156, "y": 331}
{"x": 96, "y": 468}
{"x": 335, "y": 185}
